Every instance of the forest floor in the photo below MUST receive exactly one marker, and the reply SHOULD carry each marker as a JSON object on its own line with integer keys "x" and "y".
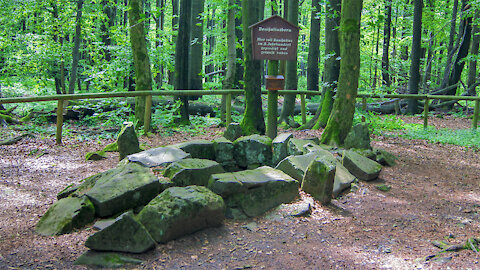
{"x": 435, "y": 196}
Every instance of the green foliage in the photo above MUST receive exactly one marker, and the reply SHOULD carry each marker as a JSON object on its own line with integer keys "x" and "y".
{"x": 462, "y": 137}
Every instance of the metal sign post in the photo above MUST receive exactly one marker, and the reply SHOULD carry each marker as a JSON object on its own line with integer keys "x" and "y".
{"x": 274, "y": 39}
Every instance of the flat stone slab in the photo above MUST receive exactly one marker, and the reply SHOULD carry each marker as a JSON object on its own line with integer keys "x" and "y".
{"x": 343, "y": 179}
{"x": 297, "y": 146}
{"x": 105, "y": 260}
{"x": 253, "y": 150}
{"x": 202, "y": 149}
{"x": 179, "y": 211}
{"x": 124, "y": 234}
{"x": 192, "y": 171}
{"x": 122, "y": 188}
{"x": 65, "y": 215}
{"x": 255, "y": 191}
{"x": 160, "y": 156}
{"x": 361, "y": 167}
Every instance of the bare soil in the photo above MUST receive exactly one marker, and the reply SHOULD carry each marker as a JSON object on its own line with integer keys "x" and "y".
{"x": 434, "y": 196}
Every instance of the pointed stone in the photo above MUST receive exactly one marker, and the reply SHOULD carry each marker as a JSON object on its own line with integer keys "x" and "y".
{"x": 319, "y": 178}
{"x": 127, "y": 141}
{"x": 358, "y": 137}
{"x": 124, "y": 234}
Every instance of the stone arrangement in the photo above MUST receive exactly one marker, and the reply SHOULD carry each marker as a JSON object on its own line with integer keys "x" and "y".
{"x": 164, "y": 193}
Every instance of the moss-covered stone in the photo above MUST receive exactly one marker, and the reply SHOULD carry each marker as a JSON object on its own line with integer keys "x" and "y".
{"x": 319, "y": 178}
{"x": 191, "y": 171}
{"x": 280, "y": 147}
{"x": 95, "y": 156}
{"x": 295, "y": 166}
{"x": 127, "y": 141}
{"x": 297, "y": 146}
{"x": 360, "y": 166}
{"x": 253, "y": 149}
{"x": 202, "y": 149}
{"x": 223, "y": 150}
{"x": 65, "y": 215}
{"x": 105, "y": 260}
{"x": 124, "y": 234}
{"x": 233, "y": 132}
{"x": 113, "y": 147}
{"x": 158, "y": 157}
{"x": 343, "y": 179}
{"x": 122, "y": 188}
{"x": 385, "y": 158}
{"x": 358, "y": 137}
{"x": 179, "y": 211}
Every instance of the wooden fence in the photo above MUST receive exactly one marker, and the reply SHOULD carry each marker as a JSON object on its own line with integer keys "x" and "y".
{"x": 228, "y": 93}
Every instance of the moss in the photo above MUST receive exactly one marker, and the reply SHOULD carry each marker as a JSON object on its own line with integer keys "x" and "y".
{"x": 113, "y": 147}
{"x": 99, "y": 155}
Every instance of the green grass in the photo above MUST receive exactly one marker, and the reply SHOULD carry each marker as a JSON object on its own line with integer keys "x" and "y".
{"x": 462, "y": 137}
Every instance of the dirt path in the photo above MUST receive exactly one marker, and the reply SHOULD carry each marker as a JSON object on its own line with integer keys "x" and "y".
{"x": 434, "y": 196}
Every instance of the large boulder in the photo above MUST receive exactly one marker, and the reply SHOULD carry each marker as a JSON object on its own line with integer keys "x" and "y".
{"x": 295, "y": 166}
{"x": 233, "y": 132}
{"x": 319, "y": 178}
{"x": 253, "y": 192}
{"x": 179, "y": 211}
{"x": 358, "y": 137}
{"x": 253, "y": 151}
{"x": 124, "y": 234}
{"x": 343, "y": 179}
{"x": 190, "y": 171}
{"x": 122, "y": 188}
{"x": 361, "y": 167}
{"x": 280, "y": 147}
{"x": 198, "y": 149}
{"x": 127, "y": 141}
{"x": 65, "y": 215}
{"x": 160, "y": 156}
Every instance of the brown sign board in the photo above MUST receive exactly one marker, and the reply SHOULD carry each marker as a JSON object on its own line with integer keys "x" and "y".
{"x": 274, "y": 39}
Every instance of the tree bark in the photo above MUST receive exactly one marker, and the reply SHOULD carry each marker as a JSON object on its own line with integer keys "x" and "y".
{"x": 141, "y": 60}
{"x": 341, "y": 118}
{"x": 450, "y": 49}
{"x": 253, "y": 121}
{"x": 76, "y": 48}
{"x": 314, "y": 47}
{"x": 239, "y": 35}
{"x": 386, "y": 44}
{"x": 414, "y": 80}
{"x": 229, "y": 81}
{"x": 291, "y": 76}
{"x": 196, "y": 46}
{"x": 472, "y": 68}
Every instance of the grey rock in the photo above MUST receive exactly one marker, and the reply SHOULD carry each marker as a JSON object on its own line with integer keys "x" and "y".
{"x": 233, "y": 132}
{"x": 255, "y": 191}
{"x": 223, "y": 151}
{"x": 127, "y": 141}
{"x": 179, "y": 211}
{"x": 202, "y": 149}
{"x": 358, "y": 137}
{"x": 296, "y": 146}
{"x": 295, "y": 166}
{"x": 319, "y": 178}
{"x": 361, "y": 167}
{"x": 191, "y": 171}
{"x": 122, "y": 188}
{"x": 280, "y": 147}
{"x": 253, "y": 150}
{"x": 105, "y": 260}
{"x": 343, "y": 179}
{"x": 160, "y": 156}
{"x": 125, "y": 234}
{"x": 385, "y": 158}
{"x": 65, "y": 215}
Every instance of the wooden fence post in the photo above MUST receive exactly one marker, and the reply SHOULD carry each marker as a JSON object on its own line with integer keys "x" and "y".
{"x": 364, "y": 102}
{"x": 58, "y": 137}
{"x": 148, "y": 115}
{"x": 397, "y": 106}
{"x": 425, "y": 113}
{"x": 303, "y": 109}
{"x": 475, "y": 114}
{"x": 228, "y": 109}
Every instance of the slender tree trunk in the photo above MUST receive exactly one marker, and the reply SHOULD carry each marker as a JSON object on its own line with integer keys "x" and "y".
{"x": 229, "y": 81}
{"x": 253, "y": 121}
{"x": 196, "y": 46}
{"x": 375, "y": 57}
{"x": 331, "y": 68}
{"x": 182, "y": 57}
{"x": 141, "y": 60}
{"x": 76, "y": 48}
{"x": 414, "y": 80}
{"x": 314, "y": 47}
{"x": 159, "y": 25}
{"x": 341, "y": 118}
{"x": 291, "y": 78}
{"x": 175, "y": 20}
{"x": 386, "y": 44}
{"x": 105, "y": 29}
{"x": 450, "y": 50}
{"x": 239, "y": 35}
{"x": 472, "y": 68}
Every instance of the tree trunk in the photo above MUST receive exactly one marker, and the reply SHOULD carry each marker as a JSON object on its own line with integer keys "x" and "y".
{"x": 105, "y": 29}
{"x": 141, "y": 60}
{"x": 341, "y": 118}
{"x": 196, "y": 46}
{"x": 386, "y": 44}
{"x": 181, "y": 57}
{"x": 76, "y": 48}
{"x": 472, "y": 68}
{"x": 314, "y": 47}
{"x": 175, "y": 18}
{"x": 450, "y": 50}
{"x": 252, "y": 121}
{"x": 159, "y": 25}
{"x": 229, "y": 81}
{"x": 414, "y": 80}
{"x": 331, "y": 68}
{"x": 291, "y": 78}
{"x": 239, "y": 35}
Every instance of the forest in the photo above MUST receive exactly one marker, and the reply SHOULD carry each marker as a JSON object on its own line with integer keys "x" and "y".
{"x": 145, "y": 134}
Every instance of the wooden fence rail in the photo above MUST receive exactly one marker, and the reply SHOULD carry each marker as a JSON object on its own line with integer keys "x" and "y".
{"x": 149, "y": 94}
